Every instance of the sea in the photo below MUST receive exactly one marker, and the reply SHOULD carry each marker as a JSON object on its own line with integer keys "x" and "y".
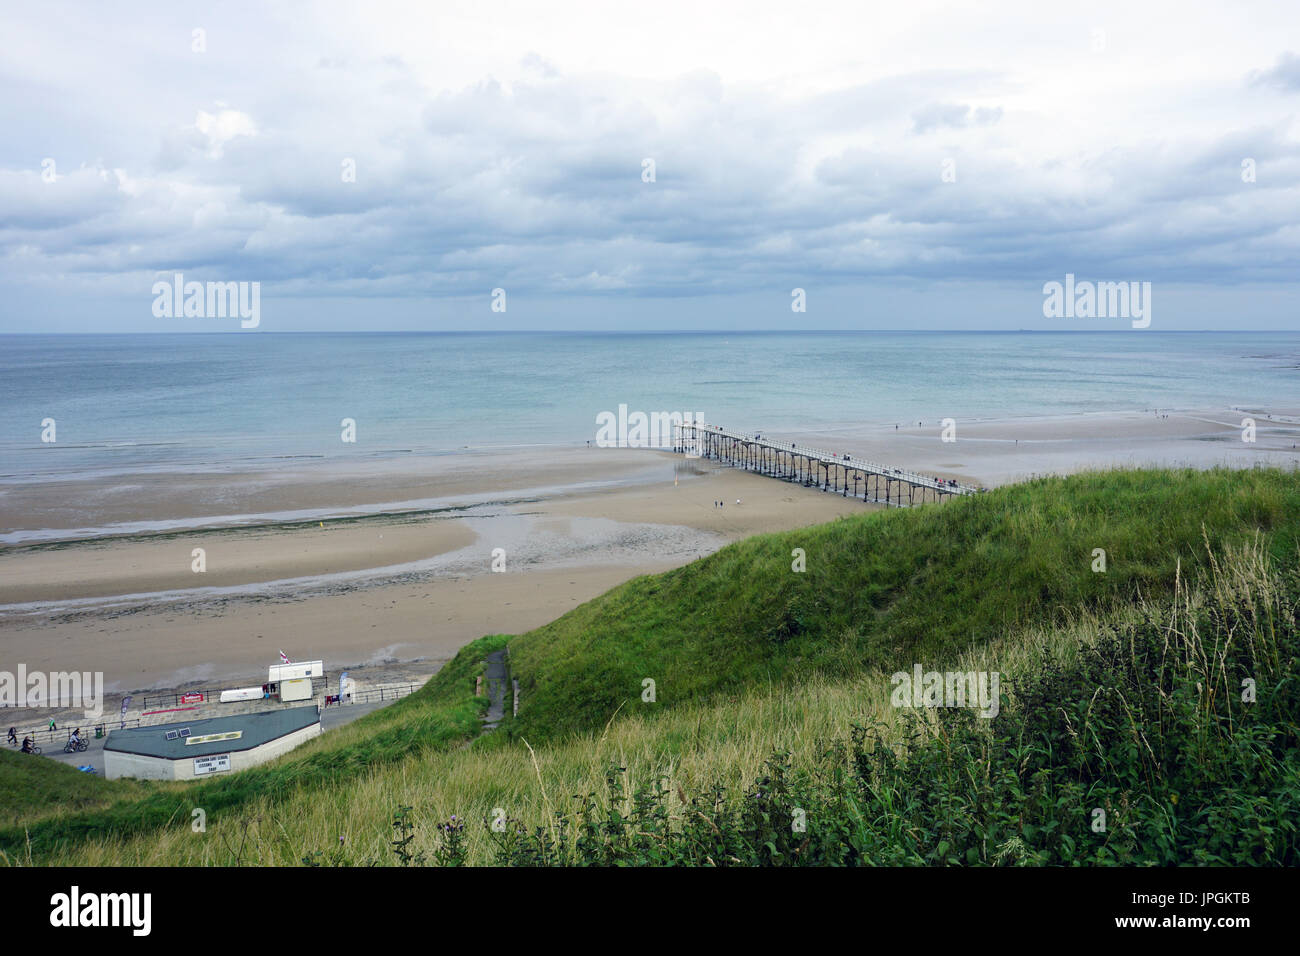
{"x": 124, "y": 404}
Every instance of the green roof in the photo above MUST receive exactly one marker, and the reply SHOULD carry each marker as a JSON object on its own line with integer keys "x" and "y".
{"x": 253, "y": 729}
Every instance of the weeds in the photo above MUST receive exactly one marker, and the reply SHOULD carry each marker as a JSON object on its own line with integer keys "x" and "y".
{"x": 1141, "y": 750}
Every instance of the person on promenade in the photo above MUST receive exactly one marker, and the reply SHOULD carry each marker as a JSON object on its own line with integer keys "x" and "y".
{"x": 13, "y": 736}
{"x": 52, "y": 727}
{"x": 27, "y": 744}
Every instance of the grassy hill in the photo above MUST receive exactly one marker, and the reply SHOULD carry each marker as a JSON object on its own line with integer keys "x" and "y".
{"x": 890, "y": 589}
{"x": 771, "y": 700}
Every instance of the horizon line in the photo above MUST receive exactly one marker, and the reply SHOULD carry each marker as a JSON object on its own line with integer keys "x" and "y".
{"x": 791, "y": 331}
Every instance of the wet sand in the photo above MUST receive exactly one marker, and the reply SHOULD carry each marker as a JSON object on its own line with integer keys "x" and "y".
{"x": 388, "y": 565}
{"x": 373, "y": 590}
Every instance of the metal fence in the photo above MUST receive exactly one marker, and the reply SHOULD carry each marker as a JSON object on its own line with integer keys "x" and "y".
{"x": 210, "y": 695}
{"x": 61, "y": 733}
{"x": 375, "y": 694}
{"x": 162, "y": 701}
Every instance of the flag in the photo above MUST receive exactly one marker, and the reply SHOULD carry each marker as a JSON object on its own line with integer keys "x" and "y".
{"x": 284, "y": 659}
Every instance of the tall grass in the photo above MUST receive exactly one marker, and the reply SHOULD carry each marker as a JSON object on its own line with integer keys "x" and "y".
{"x": 442, "y": 714}
{"x": 888, "y": 588}
{"x": 754, "y": 663}
{"x": 1138, "y": 714}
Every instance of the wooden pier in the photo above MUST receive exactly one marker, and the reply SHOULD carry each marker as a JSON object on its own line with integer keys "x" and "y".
{"x": 813, "y": 467}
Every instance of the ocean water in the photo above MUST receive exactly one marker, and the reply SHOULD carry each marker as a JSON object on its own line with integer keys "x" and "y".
{"x": 125, "y": 403}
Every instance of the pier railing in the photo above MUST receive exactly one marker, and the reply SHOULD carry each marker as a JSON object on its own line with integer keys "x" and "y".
{"x": 710, "y": 442}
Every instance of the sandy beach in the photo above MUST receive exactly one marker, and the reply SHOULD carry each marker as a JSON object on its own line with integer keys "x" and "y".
{"x": 388, "y": 565}
{"x": 364, "y": 588}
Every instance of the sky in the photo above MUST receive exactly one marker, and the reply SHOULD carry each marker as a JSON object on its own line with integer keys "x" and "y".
{"x": 389, "y": 165}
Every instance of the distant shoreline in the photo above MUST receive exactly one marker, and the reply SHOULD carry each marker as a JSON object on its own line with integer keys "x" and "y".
{"x": 615, "y": 332}
{"x": 338, "y": 571}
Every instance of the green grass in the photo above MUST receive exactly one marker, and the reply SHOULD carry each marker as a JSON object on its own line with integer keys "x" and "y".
{"x": 890, "y": 589}
{"x": 33, "y": 787}
{"x": 1171, "y": 739}
{"x": 748, "y": 658}
{"x": 442, "y": 713}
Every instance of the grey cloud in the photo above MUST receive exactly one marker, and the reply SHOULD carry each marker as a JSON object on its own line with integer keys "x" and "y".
{"x": 536, "y": 185}
{"x": 954, "y": 116}
{"x": 1285, "y": 75}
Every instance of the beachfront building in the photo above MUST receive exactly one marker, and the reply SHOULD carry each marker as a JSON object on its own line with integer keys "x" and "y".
{"x": 200, "y": 748}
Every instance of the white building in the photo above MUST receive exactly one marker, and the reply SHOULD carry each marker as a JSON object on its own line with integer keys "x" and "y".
{"x": 184, "y": 751}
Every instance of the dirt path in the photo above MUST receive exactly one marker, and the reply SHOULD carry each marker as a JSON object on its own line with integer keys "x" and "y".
{"x": 495, "y": 677}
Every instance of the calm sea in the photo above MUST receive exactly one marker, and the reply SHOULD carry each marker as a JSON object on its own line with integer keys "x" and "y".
{"x": 184, "y": 402}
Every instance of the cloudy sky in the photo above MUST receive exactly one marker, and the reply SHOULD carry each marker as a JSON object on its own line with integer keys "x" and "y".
{"x": 919, "y": 165}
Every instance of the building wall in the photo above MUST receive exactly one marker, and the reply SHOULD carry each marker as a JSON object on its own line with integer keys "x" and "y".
{"x": 118, "y": 764}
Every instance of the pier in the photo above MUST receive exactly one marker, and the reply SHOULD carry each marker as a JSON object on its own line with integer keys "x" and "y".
{"x": 814, "y": 467}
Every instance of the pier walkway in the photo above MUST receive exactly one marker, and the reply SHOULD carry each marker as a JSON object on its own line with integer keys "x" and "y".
{"x": 814, "y": 467}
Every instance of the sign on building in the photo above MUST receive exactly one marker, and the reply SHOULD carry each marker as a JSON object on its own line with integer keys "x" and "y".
{"x": 217, "y": 763}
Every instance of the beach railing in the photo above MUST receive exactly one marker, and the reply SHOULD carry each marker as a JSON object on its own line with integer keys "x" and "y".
{"x": 60, "y": 735}
{"x": 43, "y": 735}
{"x": 372, "y": 695}
{"x": 210, "y": 696}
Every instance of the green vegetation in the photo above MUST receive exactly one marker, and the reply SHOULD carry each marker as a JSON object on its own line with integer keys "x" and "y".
{"x": 31, "y": 788}
{"x": 891, "y": 589}
{"x": 1122, "y": 693}
{"x": 439, "y": 714}
{"x": 1142, "y": 751}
